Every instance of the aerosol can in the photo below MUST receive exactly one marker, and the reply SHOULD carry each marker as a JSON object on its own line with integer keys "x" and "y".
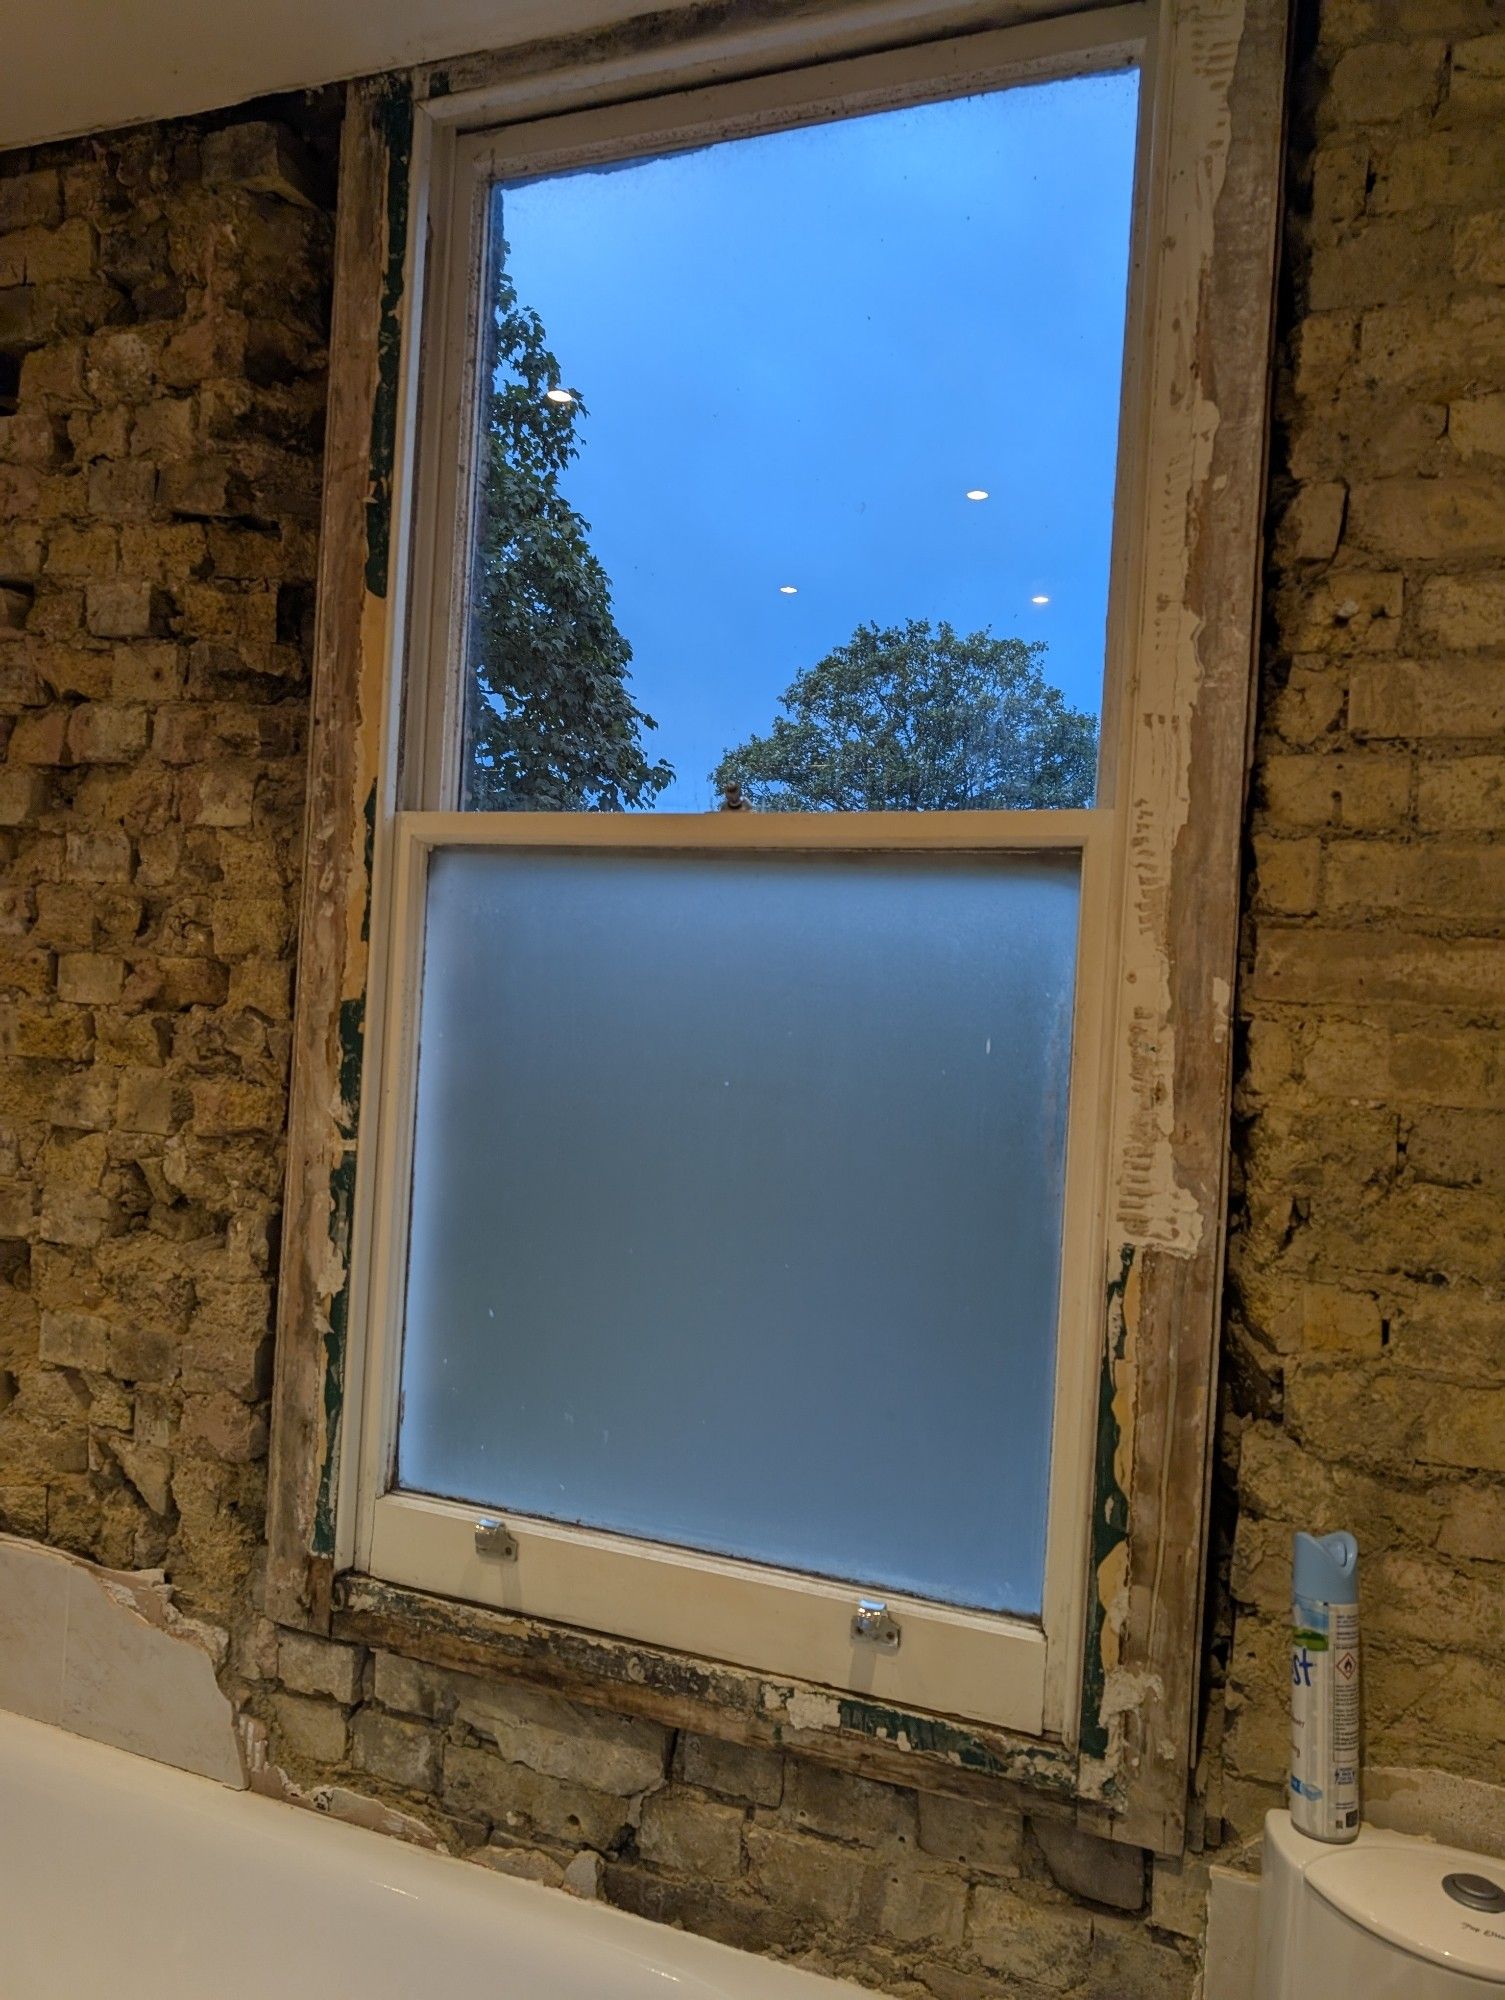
{"x": 1325, "y": 1687}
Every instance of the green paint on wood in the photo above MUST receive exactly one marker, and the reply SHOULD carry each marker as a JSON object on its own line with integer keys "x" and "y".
{"x": 1110, "y": 1513}
{"x": 933, "y": 1737}
{"x": 393, "y": 113}
{"x": 341, "y": 1207}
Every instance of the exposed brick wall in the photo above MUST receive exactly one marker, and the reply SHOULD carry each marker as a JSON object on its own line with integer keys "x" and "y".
{"x": 1366, "y": 1335}
{"x": 165, "y": 296}
{"x": 162, "y": 328}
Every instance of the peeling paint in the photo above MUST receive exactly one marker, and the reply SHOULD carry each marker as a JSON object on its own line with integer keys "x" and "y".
{"x": 1110, "y": 1519}
{"x": 333, "y": 1801}
{"x": 393, "y": 116}
{"x": 341, "y": 1203}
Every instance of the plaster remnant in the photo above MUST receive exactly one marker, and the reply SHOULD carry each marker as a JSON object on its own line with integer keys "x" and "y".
{"x": 107, "y": 1655}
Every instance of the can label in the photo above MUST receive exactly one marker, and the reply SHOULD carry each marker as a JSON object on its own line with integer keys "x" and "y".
{"x": 1325, "y": 1719}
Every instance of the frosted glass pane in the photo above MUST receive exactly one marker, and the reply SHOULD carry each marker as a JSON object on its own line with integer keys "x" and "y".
{"x": 737, "y": 1204}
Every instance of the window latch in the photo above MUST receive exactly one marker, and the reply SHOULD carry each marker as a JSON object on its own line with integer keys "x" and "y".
{"x": 874, "y": 1625}
{"x": 494, "y": 1539}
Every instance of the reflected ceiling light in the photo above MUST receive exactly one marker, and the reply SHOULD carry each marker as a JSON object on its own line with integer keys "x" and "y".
{"x": 559, "y": 395}
{"x": 789, "y": 590}
{"x": 1041, "y": 598}
{"x": 977, "y": 492}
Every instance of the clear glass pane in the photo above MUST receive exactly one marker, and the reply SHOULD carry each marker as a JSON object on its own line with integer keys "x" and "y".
{"x": 798, "y": 465}
{"x": 737, "y": 1204}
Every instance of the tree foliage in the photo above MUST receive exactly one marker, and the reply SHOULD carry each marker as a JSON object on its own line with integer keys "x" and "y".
{"x": 917, "y": 718}
{"x": 549, "y": 722}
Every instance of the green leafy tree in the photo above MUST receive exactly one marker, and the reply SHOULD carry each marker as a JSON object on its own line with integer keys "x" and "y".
{"x": 549, "y": 723}
{"x": 916, "y": 718}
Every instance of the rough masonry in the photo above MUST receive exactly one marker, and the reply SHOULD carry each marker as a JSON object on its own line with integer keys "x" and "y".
{"x": 162, "y": 347}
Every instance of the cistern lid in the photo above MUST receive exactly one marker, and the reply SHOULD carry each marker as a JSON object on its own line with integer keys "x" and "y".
{"x": 1436, "y": 1902}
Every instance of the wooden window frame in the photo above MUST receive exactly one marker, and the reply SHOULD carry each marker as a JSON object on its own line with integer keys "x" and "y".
{"x": 1116, "y": 1745}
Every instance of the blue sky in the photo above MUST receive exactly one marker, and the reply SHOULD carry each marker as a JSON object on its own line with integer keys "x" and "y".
{"x": 798, "y": 352}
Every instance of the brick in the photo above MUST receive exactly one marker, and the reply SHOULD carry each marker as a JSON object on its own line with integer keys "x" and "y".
{"x": 1442, "y": 518}
{"x": 1461, "y": 794}
{"x": 1473, "y": 1525}
{"x": 1476, "y": 79}
{"x": 1428, "y": 698}
{"x": 1378, "y": 82}
{"x": 1346, "y": 611}
{"x": 1360, "y": 968}
{"x": 1442, "y": 168}
{"x": 405, "y": 1754}
{"x": 310, "y": 1665}
{"x": 1476, "y": 425}
{"x": 1365, "y": 793}
{"x": 1382, "y": 875}
{"x": 1458, "y": 613}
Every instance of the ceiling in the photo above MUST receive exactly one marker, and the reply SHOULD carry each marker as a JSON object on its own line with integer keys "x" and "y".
{"x": 74, "y": 66}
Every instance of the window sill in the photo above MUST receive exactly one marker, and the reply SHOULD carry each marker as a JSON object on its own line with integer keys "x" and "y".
{"x": 928, "y": 1752}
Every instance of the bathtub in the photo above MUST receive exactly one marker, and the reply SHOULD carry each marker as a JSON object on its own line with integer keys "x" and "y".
{"x": 121, "y": 1876}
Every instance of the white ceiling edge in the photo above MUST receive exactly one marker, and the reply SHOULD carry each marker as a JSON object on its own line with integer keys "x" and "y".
{"x": 76, "y": 66}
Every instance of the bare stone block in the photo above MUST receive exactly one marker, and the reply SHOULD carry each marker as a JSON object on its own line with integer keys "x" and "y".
{"x": 1041, "y": 1944}
{"x": 405, "y": 1754}
{"x": 1103, "y": 1871}
{"x": 690, "y": 1836}
{"x": 560, "y": 1739}
{"x": 1381, "y": 81}
{"x": 528, "y": 1864}
{"x": 102, "y": 733}
{"x": 737, "y": 1770}
{"x": 41, "y": 738}
{"x": 122, "y": 608}
{"x": 312, "y": 1729}
{"x": 30, "y": 200}
{"x": 308, "y": 1664}
{"x": 850, "y": 1808}
{"x": 75, "y": 1340}
{"x": 24, "y": 796}
{"x": 988, "y": 1838}
{"x": 810, "y": 1877}
{"x": 89, "y": 978}
{"x": 263, "y": 158}
{"x": 517, "y": 1799}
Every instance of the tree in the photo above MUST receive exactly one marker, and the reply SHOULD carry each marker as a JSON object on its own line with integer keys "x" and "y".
{"x": 549, "y": 721}
{"x": 915, "y": 718}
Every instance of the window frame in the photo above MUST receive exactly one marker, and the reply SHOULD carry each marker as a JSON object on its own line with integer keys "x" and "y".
{"x": 1183, "y": 585}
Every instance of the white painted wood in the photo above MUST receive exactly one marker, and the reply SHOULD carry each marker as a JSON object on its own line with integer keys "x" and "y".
{"x": 986, "y": 1667}
{"x": 118, "y": 1875}
{"x": 1004, "y": 1673}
